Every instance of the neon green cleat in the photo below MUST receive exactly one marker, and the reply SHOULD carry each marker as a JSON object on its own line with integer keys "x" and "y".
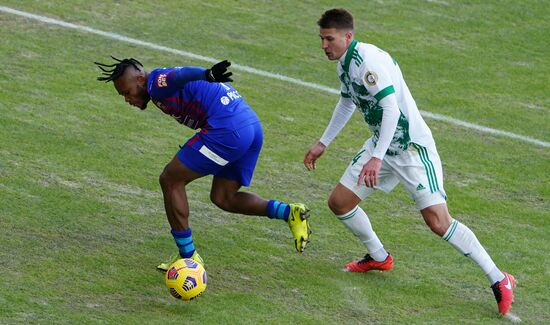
{"x": 299, "y": 225}
{"x": 164, "y": 266}
{"x": 197, "y": 258}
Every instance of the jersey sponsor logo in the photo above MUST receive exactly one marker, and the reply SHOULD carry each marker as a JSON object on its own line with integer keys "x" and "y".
{"x": 231, "y": 95}
{"x": 370, "y": 78}
{"x": 161, "y": 80}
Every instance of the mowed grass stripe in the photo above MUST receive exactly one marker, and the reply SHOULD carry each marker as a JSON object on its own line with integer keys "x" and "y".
{"x": 122, "y": 38}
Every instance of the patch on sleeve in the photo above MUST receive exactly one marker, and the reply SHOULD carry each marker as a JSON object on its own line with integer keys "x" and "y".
{"x": 370, "y": 78}
{"x": 161, "y": 80}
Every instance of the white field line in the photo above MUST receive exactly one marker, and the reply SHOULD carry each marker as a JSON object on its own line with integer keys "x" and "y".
{"x": 262, "y": 73}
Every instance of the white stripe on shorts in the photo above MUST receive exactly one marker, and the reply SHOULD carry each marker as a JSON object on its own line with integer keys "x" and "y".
{"x": 213, "y": 156}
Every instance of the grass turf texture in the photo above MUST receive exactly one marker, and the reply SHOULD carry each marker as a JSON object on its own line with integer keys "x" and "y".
{"x": 82, "y": 222}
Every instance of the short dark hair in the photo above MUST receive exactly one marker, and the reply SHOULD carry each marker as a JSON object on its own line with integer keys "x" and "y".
{"x": 117, "y": 69}
{"x": 338, "y": 18}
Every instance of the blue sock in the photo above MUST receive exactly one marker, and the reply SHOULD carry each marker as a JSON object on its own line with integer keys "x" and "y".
{"x": 184, "y": 241}
{"x": 278, "y": 210}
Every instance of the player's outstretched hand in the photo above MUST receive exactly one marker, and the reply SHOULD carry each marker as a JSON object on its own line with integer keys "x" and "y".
{"x": 313, "y": 154}
{"x": 218, "y": 72}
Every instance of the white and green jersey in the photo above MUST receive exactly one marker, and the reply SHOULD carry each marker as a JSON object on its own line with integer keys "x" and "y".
{"x": 368, "y": 75}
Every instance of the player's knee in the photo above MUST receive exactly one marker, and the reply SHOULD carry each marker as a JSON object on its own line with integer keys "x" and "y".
{"x": 342, "y": 200}
{"x": 220, "y": 200}
{"x": 437, "y": 225}
{"x": 437, "y": 218}
{"x": 337, "y": 206}
{"x": 437, "y": 228}
{"x": 165, "y": 180}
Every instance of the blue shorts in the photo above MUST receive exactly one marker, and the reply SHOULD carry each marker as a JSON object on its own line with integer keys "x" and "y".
{"x": 230, "y": 154}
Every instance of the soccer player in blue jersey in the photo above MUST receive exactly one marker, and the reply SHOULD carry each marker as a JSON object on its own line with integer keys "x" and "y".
{"x": 227, "y": 145}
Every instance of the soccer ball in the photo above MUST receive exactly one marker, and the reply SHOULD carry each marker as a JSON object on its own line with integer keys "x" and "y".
{"x": 185, "y": 279}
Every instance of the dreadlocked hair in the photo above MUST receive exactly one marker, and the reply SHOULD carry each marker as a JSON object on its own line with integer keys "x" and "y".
{"x": 112, "y": 72}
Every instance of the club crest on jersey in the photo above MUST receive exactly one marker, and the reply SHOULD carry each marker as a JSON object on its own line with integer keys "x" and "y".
{"x": 161, "y": 80}
{"x": 371, "y": 78}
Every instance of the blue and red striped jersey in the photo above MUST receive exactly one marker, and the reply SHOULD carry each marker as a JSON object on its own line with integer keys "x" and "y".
{"x": 182, "y": 93}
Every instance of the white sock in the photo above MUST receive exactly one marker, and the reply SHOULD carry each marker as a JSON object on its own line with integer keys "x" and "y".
{"x": 464, "y": 240}
{"x": 358, "y": 222}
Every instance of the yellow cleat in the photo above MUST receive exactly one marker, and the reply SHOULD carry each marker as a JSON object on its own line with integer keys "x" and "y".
{"x": 197, "y": 258}
{"x": 164, "y": 266}
{"x": 299, "y": 225}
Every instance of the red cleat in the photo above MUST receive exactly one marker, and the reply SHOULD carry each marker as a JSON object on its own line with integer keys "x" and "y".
{"x": 368, "y": 264}
{"x": 504, "y": 292}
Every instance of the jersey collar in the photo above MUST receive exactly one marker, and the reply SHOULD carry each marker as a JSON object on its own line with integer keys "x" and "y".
{"x": 349, "y": 55}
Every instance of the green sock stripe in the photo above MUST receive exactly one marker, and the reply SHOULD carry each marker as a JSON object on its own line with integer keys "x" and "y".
{"x": 349, "y": 215}
{"x": 451, "y": 231}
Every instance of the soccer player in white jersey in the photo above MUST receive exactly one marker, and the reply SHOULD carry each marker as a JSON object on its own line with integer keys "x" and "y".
{"x": 400, "y": 150}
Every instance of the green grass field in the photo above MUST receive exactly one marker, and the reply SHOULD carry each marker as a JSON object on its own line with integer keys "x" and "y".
{"x": 82, "y": 223}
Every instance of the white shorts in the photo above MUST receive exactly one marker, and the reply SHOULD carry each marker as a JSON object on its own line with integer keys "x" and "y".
{"x": 418, "y": 169}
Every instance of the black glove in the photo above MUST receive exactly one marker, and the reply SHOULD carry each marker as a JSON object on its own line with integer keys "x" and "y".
{"x": 218, "y": 72}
